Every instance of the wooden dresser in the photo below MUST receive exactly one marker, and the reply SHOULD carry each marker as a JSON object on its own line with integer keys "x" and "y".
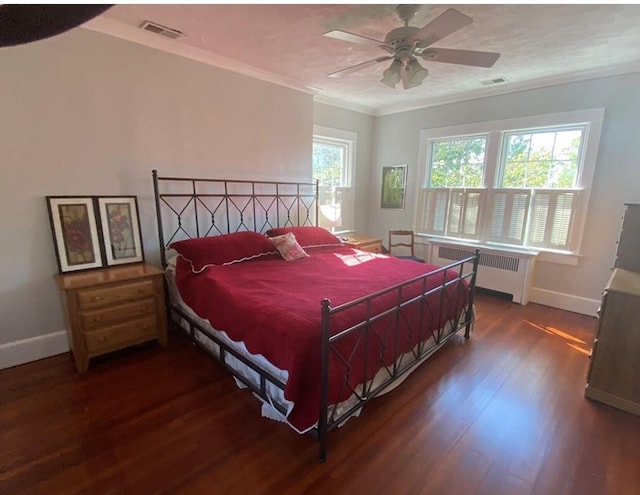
{"x": 614, "y": 371}
{"x": 628, "y": 252}
{"x": 112, "y": 308}
{"x": 370, "y": 244}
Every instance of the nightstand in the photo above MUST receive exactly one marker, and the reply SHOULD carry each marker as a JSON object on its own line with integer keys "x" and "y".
{"x": 112, "y": 308}
{"x": 364, "y": 243}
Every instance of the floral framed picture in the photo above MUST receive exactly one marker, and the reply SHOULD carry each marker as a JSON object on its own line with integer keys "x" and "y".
{"x": 120, "y": 229}
{"x": 394, "y": 180}
{"x": 75, "y": 232}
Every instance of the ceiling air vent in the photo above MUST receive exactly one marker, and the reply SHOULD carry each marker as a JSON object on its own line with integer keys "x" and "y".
{"x": 497, "y": 80}
{"x": 161, "y": 30}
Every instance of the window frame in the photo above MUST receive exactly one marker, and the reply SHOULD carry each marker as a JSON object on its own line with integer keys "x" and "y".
{"x": 495, "y": 132}
{"x": 348, "y": 140}
{"x": 501, "y": 166}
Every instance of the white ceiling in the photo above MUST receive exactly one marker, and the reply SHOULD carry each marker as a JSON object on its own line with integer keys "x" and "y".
{"x": 541, "y": 44}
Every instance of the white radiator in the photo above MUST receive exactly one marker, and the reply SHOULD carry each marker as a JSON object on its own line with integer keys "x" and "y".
{"x": 501, "y": 270}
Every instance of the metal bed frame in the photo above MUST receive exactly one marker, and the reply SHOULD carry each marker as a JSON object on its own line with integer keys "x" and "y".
{"x": 203, "y": 207}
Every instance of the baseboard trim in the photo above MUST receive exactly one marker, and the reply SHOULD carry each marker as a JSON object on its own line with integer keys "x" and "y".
{"x": 43, "y": 346}
{"x": 32, "y": 349}
{"x": 568, "y": 302}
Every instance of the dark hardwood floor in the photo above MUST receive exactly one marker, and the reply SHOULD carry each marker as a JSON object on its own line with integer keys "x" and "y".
{"x": 501, "y": 413}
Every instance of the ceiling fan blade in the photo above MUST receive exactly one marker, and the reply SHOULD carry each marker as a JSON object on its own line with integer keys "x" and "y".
{"x": 461, "y": 57}
{"x": 446, "y": 23}
{"x": 356, "y": 67}
{"x": 353, "y": 38}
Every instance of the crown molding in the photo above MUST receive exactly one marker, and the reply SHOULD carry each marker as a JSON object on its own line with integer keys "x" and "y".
{"x": 544, "y": 82}
{"x": 345, "y": 105}
{"x": 134, "y": 34}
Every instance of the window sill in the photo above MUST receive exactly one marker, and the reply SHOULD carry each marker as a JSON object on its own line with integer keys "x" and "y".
{"x": 558, "y": 257}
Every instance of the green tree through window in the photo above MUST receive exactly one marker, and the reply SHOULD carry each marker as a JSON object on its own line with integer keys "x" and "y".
{"x": 458, "y": 162}
{"x": 545, "y": 159}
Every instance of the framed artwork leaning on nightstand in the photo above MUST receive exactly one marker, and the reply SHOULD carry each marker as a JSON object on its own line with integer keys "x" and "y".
{"x": 120, "y": 229}
{"x": 75, "y": 232}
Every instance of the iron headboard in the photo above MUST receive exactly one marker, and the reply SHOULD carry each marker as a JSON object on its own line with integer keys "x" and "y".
{"x": 188, "y": 208}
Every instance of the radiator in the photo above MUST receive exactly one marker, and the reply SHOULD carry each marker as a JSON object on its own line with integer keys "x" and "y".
{"x": 510, "y": 272}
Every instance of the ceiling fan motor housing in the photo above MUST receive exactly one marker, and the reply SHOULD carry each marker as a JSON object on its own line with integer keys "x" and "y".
{"x": 400, "y": 37}
{"x": 405, "y": 44}
{"x": 400, "y": 41}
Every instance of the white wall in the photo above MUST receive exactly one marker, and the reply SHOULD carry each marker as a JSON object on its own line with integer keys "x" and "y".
{"x": 615, "y": 181}
{"x": 85, "y": 113}
{"x": 362, "y": 125}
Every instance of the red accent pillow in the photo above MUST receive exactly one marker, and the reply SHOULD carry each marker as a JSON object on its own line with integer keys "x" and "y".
{"x": 308, "y": 236}
{"x": 223, "y": 249}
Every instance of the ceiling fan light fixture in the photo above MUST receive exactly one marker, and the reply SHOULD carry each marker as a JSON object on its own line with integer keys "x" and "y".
{"x": 405, "y": 43}
{"x": 415, "y": 74}
{"x": 391, "y": 76}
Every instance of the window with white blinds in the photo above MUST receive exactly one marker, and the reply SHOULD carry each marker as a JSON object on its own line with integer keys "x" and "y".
{"x": 333, "y": 159}
{"x": 551, "y": 217}
{"x": 509, "y": 210}
{"x": 518, "y": 182}
{"x": 452, "y": 212}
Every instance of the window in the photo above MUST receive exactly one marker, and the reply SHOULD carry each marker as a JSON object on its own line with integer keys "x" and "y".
{"x": 456, "y": 175}
{"x": 333, "y": 157}
{"x": 457, "y": 162}
{"x": 518, "y": 182}
{"x": 542, "y": 158}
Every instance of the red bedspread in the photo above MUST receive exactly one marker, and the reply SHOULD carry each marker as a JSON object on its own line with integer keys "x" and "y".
{"x": 273, "y": 306}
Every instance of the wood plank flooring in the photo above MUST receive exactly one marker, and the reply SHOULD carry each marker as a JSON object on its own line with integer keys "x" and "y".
{"x": 501, "y": 413}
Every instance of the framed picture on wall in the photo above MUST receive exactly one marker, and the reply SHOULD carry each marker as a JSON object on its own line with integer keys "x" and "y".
{"x": 120, "y": 229}
{"x": 394, "y": 181}
{"x": 75, "y": 232}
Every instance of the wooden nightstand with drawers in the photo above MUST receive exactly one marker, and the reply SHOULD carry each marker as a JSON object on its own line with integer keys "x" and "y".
{"x": 112, "y": 308}
{"x": 370, "y": 244}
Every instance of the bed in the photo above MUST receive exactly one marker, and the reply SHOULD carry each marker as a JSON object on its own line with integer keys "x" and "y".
{"x": 314, "y": 328}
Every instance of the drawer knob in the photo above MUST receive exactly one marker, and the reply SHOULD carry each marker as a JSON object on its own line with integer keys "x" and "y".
{"x": 96, "y": 298}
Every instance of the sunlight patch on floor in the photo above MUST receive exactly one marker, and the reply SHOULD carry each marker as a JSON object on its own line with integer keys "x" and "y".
{"x": 573, "y": 342}
{"x": 583, "y": 350}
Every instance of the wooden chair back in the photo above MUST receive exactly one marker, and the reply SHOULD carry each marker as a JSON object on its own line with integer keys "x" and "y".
{"x": 401, "y": 238}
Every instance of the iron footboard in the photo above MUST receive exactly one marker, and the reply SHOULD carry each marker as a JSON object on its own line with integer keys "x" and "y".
{"x": 410, "y": 346}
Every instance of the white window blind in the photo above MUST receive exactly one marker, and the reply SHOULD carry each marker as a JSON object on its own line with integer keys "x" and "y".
{"x": 508, "y": 214}
{"x": 433, "y": 206}
{"x": 552, "y": 213}
{"x": 454, "y": 212}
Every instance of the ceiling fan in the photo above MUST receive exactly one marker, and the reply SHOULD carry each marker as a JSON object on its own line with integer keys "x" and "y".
{"x": 408, "y": 43}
